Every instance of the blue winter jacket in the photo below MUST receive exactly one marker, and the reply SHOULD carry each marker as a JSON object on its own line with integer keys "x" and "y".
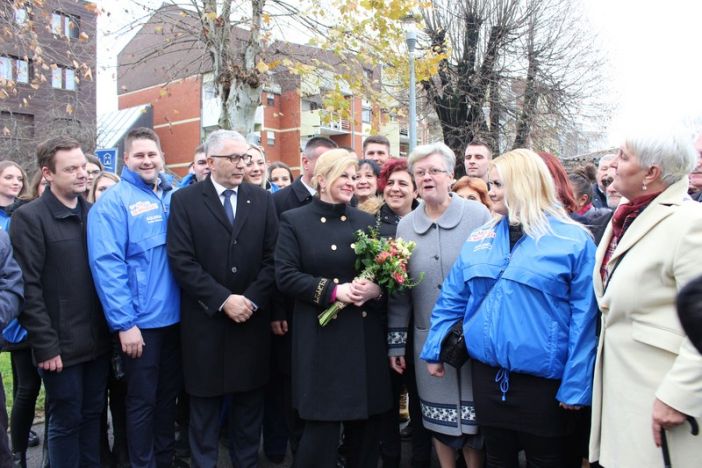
{"x": 538, "y": 319}
{"x": 4, "y": 220}
{"x": 127, "y": 251}
{"x": 13, "y": 332}
{"x": 189, "y": 179}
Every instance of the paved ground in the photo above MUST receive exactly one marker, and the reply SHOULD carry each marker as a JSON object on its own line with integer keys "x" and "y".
{"x": 34, "y": 455}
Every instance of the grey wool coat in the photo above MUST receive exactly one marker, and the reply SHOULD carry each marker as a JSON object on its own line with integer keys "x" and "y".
{"x": 439, "y": 243}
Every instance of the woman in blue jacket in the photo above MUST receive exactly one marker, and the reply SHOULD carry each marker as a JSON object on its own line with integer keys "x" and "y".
{"x": 522, "y": 288}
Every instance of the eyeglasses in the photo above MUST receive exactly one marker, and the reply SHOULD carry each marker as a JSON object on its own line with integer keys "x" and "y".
{"x": 431, "y": 171}
{"x": 233, "y": 158}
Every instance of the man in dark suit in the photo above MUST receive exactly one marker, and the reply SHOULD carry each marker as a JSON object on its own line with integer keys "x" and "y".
{"x": 300, "y": 192}
{"x": 221, "y": 237}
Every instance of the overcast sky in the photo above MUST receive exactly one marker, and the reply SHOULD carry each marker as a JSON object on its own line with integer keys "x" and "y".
{"x": 654, "y": 68}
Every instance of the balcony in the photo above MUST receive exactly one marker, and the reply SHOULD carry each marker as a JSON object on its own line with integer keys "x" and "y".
{"x": 322, "y": 122}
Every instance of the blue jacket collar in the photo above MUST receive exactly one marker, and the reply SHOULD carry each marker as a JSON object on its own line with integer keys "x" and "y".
{"x": 134, "y": 179}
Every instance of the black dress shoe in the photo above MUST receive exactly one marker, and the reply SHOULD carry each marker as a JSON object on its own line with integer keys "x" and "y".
{"x": 276, "y": 459}
{"x": 33, "y": 439}
{"x": 19, "y": 460}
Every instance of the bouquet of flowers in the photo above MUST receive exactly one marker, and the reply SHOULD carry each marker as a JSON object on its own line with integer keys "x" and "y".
{"x": 381, "y": 260}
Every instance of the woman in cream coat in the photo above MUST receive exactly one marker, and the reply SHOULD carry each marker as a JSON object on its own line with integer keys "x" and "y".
{"x": 648, "y": 376}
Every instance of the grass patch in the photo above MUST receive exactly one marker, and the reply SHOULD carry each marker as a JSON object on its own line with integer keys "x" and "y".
{"x": 6, "y": 370}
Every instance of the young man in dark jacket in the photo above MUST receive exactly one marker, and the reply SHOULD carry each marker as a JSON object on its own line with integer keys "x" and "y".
{"x": 62, "y": 314}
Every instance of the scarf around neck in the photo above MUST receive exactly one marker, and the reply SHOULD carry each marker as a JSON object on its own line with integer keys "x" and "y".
{"x": 623, "y": 216}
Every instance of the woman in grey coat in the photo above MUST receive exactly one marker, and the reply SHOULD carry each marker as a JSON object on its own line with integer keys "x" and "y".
{"x": 439, "y": 226}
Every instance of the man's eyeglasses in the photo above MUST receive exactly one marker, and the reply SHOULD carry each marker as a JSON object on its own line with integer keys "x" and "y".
{"x": 431, "y": 171}
{"x": 233, "y": 158}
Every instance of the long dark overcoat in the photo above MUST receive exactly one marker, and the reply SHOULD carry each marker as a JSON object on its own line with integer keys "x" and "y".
{"x": 339, "y": 372}
{"x": 212, "y": 259}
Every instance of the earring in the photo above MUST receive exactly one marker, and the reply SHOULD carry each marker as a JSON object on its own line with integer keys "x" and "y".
{"x": 643, "y": 187}
{"x": 322, "y": 190}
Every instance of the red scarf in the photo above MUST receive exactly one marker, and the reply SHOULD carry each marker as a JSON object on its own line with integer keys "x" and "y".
{"x": 584, "y": 209}
{"x": 624, "y": 215}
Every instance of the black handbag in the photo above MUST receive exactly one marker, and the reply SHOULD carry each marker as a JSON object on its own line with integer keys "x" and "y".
{"x": 454, "y": 351}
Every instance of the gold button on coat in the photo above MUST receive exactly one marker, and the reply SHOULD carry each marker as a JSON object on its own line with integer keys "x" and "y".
{"x": 324, "y": 220}
{"x": 333, "y": 247}
{"x": 364, "y": 314}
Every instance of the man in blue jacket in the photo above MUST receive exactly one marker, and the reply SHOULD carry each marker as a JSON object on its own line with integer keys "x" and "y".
{"x": 127, "y": 247}
{"x": 200, "y": 169}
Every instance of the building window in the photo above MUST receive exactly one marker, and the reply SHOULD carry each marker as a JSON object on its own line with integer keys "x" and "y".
{"x": 21, "y": 16}
{"x": 271, "y": 99}
{"x": 366, "y": 115}
{"x": 57, "y": 78}
{"x": 65, "y": 25}
{"x": 22, "y": 69}
{"x": 13, "y": 68}
{"x": 270, "y": 138}
{"x": 63, "y": 78}
{"x": 70, "y": 82}
{"x": 16, "y": 126}
{"x": 6, "y": 68}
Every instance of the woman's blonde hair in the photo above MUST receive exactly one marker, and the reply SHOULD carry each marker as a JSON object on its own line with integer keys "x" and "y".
{"x": 264, "y": 179}
{"x": 529, "y": 192}
{"x": 96, "y": 180}
{"x": 331, "y": 164}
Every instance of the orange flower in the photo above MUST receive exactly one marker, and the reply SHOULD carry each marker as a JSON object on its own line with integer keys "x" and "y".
{"x": 382, "y": 257}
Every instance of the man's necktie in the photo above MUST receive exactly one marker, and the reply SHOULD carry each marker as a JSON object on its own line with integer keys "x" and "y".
{"x": 228, "y": 205}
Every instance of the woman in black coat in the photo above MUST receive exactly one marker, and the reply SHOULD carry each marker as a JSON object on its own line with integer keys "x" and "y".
{"x": 339, "y": 372}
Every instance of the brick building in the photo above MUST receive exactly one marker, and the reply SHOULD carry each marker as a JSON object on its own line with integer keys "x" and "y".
{"x": 47, "y": 64}
{"x": 176, "y": 80}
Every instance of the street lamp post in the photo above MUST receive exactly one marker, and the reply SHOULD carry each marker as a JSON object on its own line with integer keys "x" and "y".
{"x": 411, "y": 41}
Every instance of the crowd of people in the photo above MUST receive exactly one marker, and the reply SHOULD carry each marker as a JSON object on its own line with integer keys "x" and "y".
{"x": 190, "y": 310}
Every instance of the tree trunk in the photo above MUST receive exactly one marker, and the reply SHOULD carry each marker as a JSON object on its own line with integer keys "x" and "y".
{"x": 531, "y": 97}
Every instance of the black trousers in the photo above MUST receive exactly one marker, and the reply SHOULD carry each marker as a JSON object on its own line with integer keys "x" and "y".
{"x": 275, "y": 425}
{"x": 318, "y": 445}
{"x": 390, "y": 426}
{"x": 503, "y": 446}
{"x": 244, "y": 421}
{"x": 5, "y": 454}
{"x": 115, "y": 398}
{"x": 153, "y": 383}
{"x": 26, "y": 386}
